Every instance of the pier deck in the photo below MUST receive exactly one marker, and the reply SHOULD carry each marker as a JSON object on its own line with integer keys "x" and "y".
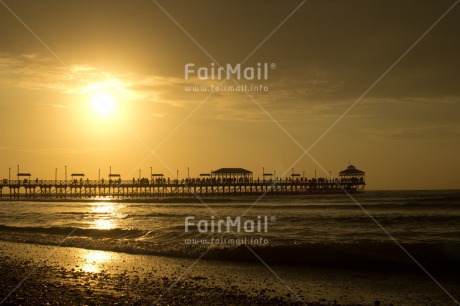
{"x": 160, "y": 187}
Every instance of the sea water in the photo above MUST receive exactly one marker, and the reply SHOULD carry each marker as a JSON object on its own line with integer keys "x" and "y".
{"x": 373, "y": 229}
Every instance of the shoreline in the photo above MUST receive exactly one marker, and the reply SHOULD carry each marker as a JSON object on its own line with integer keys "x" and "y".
{"x": 80, "y": 276}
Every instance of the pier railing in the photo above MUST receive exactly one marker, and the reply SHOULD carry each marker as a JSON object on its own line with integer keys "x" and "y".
{"x": 163, "y": 187}
{"x": 189, "y": 182}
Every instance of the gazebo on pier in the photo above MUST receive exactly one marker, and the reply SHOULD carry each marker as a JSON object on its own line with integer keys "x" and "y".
{"x": 236, "y": 173}
{"x": 352, "y": 174}
{"x": 26, "y": 175}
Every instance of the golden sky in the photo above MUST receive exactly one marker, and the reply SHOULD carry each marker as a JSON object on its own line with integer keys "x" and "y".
{"x": 94, "y": 84}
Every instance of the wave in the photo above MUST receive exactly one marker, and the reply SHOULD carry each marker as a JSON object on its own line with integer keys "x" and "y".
{"x": 74, "y": 231}
{"x": 369, "y": 201}
{"x": 360, "y": 254}
{"x": 122, "y": 216}
{"x": 441, "y": 220}
{"x": 322, "y": 206}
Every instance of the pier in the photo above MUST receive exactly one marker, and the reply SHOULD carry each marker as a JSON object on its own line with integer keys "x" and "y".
{"x": 230, "y": 182}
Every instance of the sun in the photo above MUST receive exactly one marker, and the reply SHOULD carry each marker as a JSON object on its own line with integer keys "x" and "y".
{"x": 103, "y": 103}
{"x": 103, "y": 98}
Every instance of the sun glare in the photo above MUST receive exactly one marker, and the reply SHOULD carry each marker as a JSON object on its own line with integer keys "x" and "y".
{"x": 103, "y": 103}
{"x": 103, "y": 98}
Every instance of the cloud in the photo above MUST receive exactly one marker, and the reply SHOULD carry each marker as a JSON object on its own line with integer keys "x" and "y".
{"x": 32, "y": 72}
{"x": 429, "y": 134}
{"x": 59, "y": 151}
{"x": 414, "y": 100}
{"x": 319, "y": 94}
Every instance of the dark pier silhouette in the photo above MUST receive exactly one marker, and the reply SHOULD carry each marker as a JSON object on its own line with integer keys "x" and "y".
{"x": 223, "y": 182}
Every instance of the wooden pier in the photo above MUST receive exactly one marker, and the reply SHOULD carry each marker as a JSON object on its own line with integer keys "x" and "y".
{"x": 160, "y": 187}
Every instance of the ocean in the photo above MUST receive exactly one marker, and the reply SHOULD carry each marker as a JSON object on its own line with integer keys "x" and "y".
{"x": 329, "y": 230}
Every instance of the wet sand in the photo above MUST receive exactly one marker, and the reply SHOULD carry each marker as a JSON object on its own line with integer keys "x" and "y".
{"x": 74, "y": 276}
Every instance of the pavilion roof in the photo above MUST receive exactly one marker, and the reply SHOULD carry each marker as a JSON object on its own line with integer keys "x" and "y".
{"x": 77, "y": 174}
{"x": 24, "y": 174}
{"x": 232, "y": 171}
{"x": 351, "y": 170}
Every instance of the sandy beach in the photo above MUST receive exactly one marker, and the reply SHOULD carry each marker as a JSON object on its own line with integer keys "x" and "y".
{"x": 74, "y": 276}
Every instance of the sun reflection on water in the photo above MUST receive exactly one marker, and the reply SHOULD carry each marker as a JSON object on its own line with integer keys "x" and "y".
{"x": 104, "y": 215}
{"x": 104, "y": 224}
{"x": 104, "y": 208}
